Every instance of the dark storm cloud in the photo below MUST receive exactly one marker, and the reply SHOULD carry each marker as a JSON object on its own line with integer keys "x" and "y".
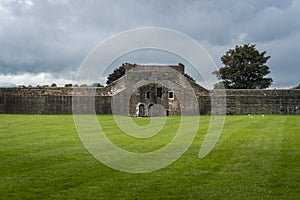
{"x": 54, "y": 36}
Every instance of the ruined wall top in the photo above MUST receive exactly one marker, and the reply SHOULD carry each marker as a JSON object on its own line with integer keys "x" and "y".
{"x": 180, "y": 67}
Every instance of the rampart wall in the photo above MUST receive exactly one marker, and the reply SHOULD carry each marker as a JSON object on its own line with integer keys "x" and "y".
{"x": 59, "y": 101}
{"x": 49, "y": 100}
{"x": 242, "y": 101}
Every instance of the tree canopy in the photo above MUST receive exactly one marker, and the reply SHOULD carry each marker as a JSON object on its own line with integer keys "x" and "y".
{"x": 244, "y": 68}
{"x": 68, "y": 85}
{"x": 116, "y": 74}
{"x": 297, "y": 87}
{"x": 97, "y": 85}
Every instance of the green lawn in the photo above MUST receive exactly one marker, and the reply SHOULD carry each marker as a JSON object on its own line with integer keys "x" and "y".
{"x": 42, "y": 157}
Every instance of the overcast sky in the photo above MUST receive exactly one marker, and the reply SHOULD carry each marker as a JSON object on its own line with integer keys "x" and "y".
{"x": 46, "y": 41}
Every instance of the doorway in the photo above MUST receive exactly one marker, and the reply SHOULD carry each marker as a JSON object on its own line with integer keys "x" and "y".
{"x": 141, "y": 110}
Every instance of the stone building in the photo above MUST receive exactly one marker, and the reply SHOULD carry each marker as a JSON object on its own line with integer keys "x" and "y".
{"x": 153, "y": 90}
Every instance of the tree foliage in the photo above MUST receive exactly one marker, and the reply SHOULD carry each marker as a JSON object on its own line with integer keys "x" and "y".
{"x": 97, "y": 85}
{"x": 117, "y": 73}
{"x": 244, "y": 68}
{"x": 297, "y": 87}
{"x": 68, "y": 85}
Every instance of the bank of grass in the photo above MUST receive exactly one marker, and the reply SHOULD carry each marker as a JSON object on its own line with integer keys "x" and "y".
{"x": 42, "y": 157}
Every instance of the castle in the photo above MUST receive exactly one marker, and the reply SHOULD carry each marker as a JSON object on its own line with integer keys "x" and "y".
{"x": 149, "y": 91}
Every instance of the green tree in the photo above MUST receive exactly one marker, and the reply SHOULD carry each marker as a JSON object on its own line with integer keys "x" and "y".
{"x": 68, "y": 85}
{"x": 97, "y": 85}
{"x": 297, "y": 87}
{"x": 117, "y": 73}
{"x": 244, "y": 68}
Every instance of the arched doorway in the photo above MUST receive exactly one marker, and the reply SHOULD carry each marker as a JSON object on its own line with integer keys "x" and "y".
{"x": 141, "y": 110}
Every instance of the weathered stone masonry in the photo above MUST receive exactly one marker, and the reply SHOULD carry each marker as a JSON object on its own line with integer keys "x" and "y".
{"x": 47, "y": 100}
{"x": 59, "y": 101}
{"x": 273, "y": 101}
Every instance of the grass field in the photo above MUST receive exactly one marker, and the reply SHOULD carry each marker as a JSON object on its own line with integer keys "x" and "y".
{"x": 42, "y": 157}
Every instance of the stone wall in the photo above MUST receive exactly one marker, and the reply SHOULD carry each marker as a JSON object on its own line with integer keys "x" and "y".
{"x": 240, "y": 101}
{"x": 59, "y": 101}
{"x": 48, "y": 100}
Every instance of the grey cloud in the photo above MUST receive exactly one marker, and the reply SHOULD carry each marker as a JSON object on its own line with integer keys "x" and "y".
{"x": 55, "y": 36}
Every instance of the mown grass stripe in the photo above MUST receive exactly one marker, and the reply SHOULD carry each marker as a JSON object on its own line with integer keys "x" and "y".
{"x": 42, "y": 157}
